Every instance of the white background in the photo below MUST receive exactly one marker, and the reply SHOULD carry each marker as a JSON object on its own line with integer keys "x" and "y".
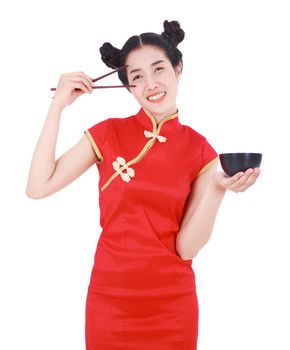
{"x": 234, "y": 90}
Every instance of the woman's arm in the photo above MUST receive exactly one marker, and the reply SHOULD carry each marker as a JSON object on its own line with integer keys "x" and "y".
{"x": 203, "y": 204}
{"x": 65, "y": 170}
{"x": 48, "y": 175}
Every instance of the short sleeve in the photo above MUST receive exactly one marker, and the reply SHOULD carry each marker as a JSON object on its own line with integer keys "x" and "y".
{"x": 209, "y": 157}
{"x": 97, "y": 137}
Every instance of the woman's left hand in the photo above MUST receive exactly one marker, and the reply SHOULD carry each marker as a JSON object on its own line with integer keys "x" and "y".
{"x": 239, "y": 182}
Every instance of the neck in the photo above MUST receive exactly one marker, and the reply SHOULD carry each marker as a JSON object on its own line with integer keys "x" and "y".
{"x": 159, "y": 117}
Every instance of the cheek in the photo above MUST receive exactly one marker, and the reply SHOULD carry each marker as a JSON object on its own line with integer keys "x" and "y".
{"x": 136, "y": 92}
{"x": 174, "y": 85}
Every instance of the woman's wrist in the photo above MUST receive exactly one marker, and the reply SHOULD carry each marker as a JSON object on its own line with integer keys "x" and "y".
{"x": 55, "y": 107}
{"x": 218, "y": 183}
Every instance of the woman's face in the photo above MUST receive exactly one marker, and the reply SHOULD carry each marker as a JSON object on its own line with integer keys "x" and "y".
{"x": 155, "y": 79}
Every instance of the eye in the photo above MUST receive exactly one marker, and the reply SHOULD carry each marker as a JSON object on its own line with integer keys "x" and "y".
{"x": 137, "y": 77}
{"x": 159, "y": 69}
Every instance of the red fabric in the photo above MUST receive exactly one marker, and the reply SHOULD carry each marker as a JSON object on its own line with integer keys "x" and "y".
{"x": 142, "y": 294}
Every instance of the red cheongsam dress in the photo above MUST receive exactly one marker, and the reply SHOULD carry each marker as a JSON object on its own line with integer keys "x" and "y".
{"x": 142, "y": 295}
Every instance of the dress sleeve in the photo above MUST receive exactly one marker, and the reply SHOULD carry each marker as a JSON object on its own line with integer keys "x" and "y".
{"x": 209, "y": 156}
{"x": 97, "y": 137}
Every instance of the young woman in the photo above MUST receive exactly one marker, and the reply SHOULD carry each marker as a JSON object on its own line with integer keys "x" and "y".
{"x": 159, "y": 193}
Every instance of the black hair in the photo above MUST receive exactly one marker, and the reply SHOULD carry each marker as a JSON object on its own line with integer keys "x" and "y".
{"x": 167, "y": 41}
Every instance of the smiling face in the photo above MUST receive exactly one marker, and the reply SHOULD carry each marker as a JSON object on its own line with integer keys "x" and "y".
{"x": 155, "y": 79}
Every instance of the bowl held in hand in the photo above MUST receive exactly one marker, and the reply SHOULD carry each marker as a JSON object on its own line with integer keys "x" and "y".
{"x": 233, "y": 163}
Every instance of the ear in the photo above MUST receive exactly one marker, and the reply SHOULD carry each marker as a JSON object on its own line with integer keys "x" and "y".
{"x": 178, "y": 71}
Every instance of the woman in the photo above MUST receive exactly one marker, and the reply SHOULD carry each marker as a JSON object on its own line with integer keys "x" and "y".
{"x": 159, "y": 195}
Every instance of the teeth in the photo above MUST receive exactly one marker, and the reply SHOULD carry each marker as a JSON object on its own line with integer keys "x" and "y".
{"x": 156, "y": 97}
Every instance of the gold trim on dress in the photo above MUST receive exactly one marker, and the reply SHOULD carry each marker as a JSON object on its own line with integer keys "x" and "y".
{"x": 207, "y": 166}
{"x": 137, "y": 159}
{"x": 155, "y": 136}
{"x": 95, "y": 147}
{"x": 156, "y": 128}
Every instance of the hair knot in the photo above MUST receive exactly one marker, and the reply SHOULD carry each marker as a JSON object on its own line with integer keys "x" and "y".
{"x": 110, "y": 55}
{"x": 173, "y": 33}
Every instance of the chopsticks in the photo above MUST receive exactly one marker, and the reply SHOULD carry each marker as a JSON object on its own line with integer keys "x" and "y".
{"x": 107, "y": 86}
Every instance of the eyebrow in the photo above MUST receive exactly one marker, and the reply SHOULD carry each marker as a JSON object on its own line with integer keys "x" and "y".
{"x": 152, "y": 65}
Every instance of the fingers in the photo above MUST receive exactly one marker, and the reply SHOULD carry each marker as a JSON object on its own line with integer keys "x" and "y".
{"x": 78, "y": 80}
{"x": 240, "y": 182}
{"x": 70, "y": 87}
{"x": 234, "y": 182}
{"x": 86, "y": 81}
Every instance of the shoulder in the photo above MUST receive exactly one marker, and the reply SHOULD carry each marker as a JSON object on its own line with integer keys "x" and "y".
{"x": 114, "y": 121}
{"x": 120, "y": 121}
{"x": 193, "y": 135}
{"x": 204, "y": 153}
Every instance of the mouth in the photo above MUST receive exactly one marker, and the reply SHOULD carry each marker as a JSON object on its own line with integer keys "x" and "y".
{"x": 156, "y": 97}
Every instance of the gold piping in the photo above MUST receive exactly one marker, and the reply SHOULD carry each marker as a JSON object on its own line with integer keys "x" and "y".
{"x": 95, "y": 147}
{"x": 156, "y": 129}
{"x": 148, "y": 145}
{"x": 207, "y": 166}
{"x": 145, "y": 149}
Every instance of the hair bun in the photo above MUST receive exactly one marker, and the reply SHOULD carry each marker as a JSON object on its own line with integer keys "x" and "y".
{"x": 110, "y": 55}
{"x": 172, "y": 33}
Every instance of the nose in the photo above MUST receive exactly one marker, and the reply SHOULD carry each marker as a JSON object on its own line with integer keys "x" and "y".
{"x": 150, "y": 83}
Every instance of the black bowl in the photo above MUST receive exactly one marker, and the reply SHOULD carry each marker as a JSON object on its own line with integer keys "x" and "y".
{"x": 233, "y": 163}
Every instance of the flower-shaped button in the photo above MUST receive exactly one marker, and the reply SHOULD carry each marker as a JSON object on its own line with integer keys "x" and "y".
{"x": 121, "y": 163}
{"x": 150, "y": 134}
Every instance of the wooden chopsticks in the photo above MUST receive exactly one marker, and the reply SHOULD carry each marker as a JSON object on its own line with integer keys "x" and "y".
{"x": 107, "y": 86}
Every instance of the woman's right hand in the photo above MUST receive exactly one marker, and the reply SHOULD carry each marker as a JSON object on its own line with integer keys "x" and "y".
{"x": 70, "y": 87}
